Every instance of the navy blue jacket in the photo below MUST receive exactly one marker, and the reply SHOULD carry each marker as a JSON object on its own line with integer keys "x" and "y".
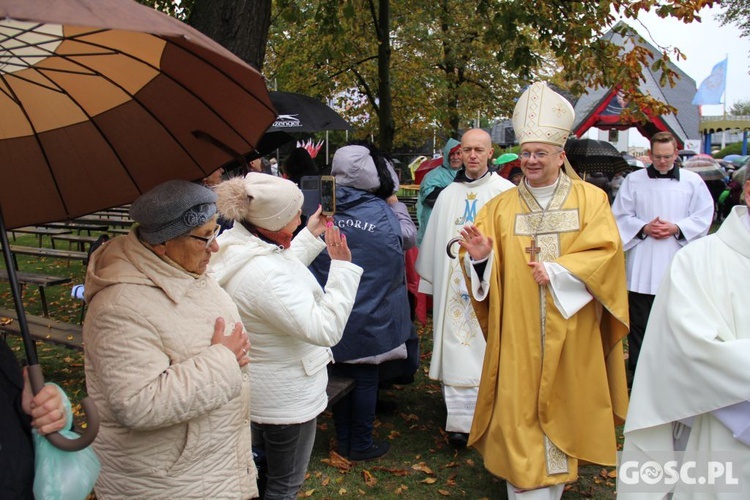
{"x": 380, "y": 320}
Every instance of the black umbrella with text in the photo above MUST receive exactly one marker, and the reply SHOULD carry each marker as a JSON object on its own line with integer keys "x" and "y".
{"x": 301, "y": 113}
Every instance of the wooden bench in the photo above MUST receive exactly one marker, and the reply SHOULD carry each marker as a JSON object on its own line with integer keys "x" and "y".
{"x": 87, "y": 226}
{"x": 40, "y": 232}
{"x": 40, "y": 280}
{"x": 411, "y": 207}
{"x": 44, "y": 329}
{"x": 55, "y": 253}
{"x": 337, "y": 388}
{"x": 108, "y": 214}
{"x": 80, "y": 239}
{"x": 108, "y": 221}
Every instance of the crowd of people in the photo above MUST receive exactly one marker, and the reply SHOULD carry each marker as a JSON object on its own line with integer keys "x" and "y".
{"x": 213, "y": 325}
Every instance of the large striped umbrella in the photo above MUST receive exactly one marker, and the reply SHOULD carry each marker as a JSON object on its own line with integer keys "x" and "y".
{"x": 100, "y": 100}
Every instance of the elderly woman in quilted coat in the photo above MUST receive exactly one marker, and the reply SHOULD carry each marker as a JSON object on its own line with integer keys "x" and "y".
{"x": 166, "y": 357}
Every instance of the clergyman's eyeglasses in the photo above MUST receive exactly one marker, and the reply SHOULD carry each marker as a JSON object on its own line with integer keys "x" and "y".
{"x": 539, "y": 155}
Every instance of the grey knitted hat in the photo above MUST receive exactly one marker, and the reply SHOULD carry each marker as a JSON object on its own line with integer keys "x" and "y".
{"x": 172, "y": 209}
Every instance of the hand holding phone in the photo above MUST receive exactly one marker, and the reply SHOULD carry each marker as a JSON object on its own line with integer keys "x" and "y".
{"x": 317, "y": 222}
{"x": 328, "y": 194}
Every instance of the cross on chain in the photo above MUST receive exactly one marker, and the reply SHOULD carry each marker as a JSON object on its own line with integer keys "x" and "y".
{"x": 533, "y": 250}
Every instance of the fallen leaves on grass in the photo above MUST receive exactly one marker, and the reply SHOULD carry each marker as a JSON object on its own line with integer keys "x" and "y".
{"x": 429, "y": 480}
{"x": 586, "y": 494}
{"x": 370, "y": 480}
{"x": 391, "y": 470}
{"x": 401, "y": 490}
{"x": 422, "y": 467}
{"x": 451, "y": 481}
{"x": 337, "y": 461}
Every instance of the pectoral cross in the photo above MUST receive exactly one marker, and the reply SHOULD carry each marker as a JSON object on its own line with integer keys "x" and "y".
{"x": 533, "y": 250}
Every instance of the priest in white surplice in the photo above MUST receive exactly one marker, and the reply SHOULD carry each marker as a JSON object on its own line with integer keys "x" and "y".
{"x": 693, "y": 379}
{"x": 658, "y": 210}
{"x": 458, "y": 347}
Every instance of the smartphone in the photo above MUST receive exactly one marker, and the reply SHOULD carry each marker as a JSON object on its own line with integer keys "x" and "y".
{"x": 310, "y": 187}
{"x": 328, "y": 194}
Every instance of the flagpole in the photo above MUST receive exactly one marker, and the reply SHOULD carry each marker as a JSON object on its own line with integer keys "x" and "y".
{"x": 726, "y": 56}
{"x": 724, "y": 132}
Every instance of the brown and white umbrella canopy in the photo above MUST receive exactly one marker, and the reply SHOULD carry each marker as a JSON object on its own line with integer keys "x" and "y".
{"x": 100, "y": 100}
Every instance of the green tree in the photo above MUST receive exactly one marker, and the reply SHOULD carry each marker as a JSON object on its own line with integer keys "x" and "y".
{"x": 738, "y": 13}
{"x": 453, "y": 61}
{"x": 740, "y": 108}
{"x": 408, "y": 68}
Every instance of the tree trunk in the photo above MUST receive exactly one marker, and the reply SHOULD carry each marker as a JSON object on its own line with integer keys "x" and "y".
{"x": 239, "y": 25}
{"x": 385, "y": 116}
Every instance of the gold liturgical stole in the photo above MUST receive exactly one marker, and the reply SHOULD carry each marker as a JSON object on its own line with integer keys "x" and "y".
{"x": 543, "y": 226}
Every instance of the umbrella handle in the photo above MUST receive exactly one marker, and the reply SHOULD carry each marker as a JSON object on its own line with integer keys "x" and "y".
{"x": 89, "y": 408}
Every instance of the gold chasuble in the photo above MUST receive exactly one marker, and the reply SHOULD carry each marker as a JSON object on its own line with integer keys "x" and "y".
{"x": 552, "y": 390}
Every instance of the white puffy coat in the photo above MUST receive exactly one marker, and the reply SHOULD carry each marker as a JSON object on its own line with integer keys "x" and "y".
{"x": 174, "y": 409}
{"x": 291, "y": 320}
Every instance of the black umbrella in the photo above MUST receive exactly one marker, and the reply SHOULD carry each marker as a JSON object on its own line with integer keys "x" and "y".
{"x": 705, "y": 166}
{"x": 269, "y": 143}
{"x": 590, "y": 155}
{"x": 100, "y": 100}
{"x": 301, "y": 113}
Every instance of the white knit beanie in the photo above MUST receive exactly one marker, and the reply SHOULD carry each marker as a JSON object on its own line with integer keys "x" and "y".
{"x": 263, "y": 200}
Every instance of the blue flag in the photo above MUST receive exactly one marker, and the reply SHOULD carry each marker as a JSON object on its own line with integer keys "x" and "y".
{"x": 712, "y": 88}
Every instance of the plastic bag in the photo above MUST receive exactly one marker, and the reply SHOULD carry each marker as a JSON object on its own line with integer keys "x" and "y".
{"x": 63, "y": 475}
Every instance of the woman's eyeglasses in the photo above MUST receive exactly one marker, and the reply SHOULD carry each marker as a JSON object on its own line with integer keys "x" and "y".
{"x": 207, "y": 240}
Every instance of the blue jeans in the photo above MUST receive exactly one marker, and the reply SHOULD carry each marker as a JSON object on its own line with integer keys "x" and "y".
{"x": 287, "y": 450}
{"x": 354, "y": 414}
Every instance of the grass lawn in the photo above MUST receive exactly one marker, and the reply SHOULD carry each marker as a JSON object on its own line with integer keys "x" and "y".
{"x": 420, "y": 465}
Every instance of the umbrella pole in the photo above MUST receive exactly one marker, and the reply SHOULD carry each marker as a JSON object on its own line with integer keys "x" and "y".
{"x": 34, "y": 369}
{"x": 15, "y": 290}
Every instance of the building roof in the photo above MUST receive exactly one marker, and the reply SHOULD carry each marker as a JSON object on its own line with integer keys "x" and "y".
{"x": 594, "y": 108}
